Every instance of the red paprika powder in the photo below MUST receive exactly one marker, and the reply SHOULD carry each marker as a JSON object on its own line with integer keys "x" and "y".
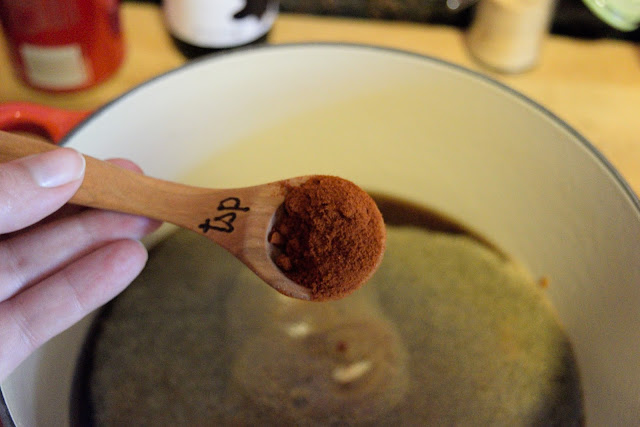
{"x": 331, "y": 236}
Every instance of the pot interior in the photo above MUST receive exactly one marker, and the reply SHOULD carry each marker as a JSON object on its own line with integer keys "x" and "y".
{"x": 398, "y": 124}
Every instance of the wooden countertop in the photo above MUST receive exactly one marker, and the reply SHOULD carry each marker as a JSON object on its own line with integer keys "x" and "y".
{"x": 592, "y": 85}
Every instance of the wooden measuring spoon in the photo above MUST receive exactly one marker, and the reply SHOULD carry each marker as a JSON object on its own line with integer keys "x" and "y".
{"x": 239, "y": 219}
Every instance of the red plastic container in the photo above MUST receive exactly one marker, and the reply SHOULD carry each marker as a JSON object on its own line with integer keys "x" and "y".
{"x": 63, "y": 45}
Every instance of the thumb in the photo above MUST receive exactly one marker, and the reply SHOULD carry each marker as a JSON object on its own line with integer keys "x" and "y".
{"x": 33, "y": 187}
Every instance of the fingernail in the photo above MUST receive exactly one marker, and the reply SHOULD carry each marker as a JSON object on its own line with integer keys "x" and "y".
{"x": 55, "y": 168}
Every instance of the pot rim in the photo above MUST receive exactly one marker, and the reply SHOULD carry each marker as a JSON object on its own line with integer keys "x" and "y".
{"x": 474, "y": 73}
{"x": 5, "y": 416}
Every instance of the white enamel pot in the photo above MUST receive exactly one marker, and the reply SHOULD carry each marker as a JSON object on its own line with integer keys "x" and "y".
{"x": 405, "y": 125}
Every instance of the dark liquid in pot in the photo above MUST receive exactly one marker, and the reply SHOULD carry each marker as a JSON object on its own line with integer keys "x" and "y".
{"x": 216, "y": 351}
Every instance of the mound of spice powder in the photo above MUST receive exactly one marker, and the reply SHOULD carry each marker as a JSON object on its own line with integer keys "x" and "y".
{"x": 331, "y": 236}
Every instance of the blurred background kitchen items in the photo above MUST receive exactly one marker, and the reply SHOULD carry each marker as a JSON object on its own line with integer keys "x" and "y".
{"x": 63, "y": 45}
{"x": 621, "y": 14}
{"x": 199, "y": 27}
{"x": 571, "y": 17}
{"x": 506, "y": 35}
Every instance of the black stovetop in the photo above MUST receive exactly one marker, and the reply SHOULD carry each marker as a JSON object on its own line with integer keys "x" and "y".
{"x": 571, "y": 17}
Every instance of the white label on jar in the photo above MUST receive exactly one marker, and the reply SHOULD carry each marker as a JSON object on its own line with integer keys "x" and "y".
{"x": 219, "y": 24}
{"x": 54, "y": 67}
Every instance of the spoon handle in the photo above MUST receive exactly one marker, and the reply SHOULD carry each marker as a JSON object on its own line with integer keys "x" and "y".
{"x": 107, "y": 186}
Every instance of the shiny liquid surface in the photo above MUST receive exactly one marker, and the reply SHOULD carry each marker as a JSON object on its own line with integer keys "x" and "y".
{"x": 449, "y": 331}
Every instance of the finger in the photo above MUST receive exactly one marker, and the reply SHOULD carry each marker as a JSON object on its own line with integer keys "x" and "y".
{"x": 70, "y": 209}
{"x": 34, "y": 316}
{"x": 35, "y": 186}
{"x": 30, "y": 256}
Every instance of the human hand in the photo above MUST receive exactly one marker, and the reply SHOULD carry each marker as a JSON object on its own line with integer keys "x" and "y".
{"x": 57, "y": 263}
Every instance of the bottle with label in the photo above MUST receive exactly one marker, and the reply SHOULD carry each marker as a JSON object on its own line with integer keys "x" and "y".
{"x": 199, "y": 27}
{"x": 63, "y": 45}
